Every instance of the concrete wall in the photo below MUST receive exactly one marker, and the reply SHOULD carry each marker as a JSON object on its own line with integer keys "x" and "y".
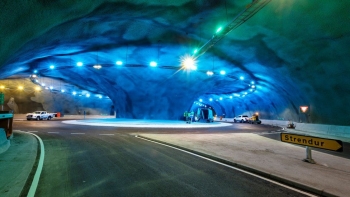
{"x": 318, "y": 130}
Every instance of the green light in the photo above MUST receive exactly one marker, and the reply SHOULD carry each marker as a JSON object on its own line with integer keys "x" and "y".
{"x": 195, "y": 51}
{"x": 220, "y": 28}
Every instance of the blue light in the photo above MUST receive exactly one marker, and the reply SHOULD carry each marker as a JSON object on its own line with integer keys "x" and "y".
{"x": 35, "y": 71}
{"x": 79, "y": 63}
{"x": 100, "y": 96}
{"x": 195, "y": 51}
{"x": 230, "y": 97}
{"x": 220, "y": 98}
{"x": 153, "y": 64}
{"x": 88, "y": 95}
{"x": 119, "y": 63}
{"x": 200, "y": 100}
{"x": 52, "y": 67}
{"x": 223, "y": 72}
{"x": 62, "y": 91}
{"x": 241, "y": 78}
{"x": 210, "y": 99}
{"x": 252, "y": 82}
{"x": 74, "y": 93}
{"x": 51, "y": 87}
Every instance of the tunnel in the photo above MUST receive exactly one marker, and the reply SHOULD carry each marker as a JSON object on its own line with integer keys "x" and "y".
{"x": 286, "y": 60}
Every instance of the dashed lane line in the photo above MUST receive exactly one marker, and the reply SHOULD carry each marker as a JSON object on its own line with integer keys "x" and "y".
{"x": 77, "y": 133}
{"x": 107, "y": 134}
{"x": 53, "y": 132}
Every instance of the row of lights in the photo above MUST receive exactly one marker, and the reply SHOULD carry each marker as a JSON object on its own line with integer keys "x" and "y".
{"x": 99, "y": 66}
{"x": 187, "y": 62}
{"x": 62, "y": 90}
{"x": 252, "y": 89}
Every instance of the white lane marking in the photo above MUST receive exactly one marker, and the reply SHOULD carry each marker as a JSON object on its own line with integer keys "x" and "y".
{"x": 53, "y": 132}
{"x": 258, "y": 176}
{"x": 33, "y": 131}
{"x": 77, "y": 133}
{"x": 39, "y": 169}
{"x": 106, "y": 134}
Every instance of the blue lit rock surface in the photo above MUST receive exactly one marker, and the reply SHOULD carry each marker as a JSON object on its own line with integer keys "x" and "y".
{"x": 29, "y": 99}
{"x": 296, "y": 52}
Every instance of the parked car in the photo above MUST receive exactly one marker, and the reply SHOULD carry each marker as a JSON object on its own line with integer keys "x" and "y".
{"x": 241, "y": 118}
{"x": 40, "y": 115}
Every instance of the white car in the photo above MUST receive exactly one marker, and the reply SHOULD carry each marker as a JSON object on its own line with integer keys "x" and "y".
{"x": 39, "y": 115}
{"x": 241, "y": 118}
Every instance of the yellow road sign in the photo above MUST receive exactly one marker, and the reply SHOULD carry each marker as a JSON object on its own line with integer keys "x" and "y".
{"x": 328, "y": 144}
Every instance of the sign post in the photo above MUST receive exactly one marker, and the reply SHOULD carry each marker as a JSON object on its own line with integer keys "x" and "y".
{"x": 2, "y": 99}
{"x": 310, "y": 141}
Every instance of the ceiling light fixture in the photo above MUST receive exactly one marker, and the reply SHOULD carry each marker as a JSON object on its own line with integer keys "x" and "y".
{"x": 210, "y": 73}
{"x": 153, "y": 63}
{"x": 97, "y": 66}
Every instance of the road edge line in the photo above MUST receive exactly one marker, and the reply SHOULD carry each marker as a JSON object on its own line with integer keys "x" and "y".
{"x": 36, "y": 178}
{"x": 267, "y": 175}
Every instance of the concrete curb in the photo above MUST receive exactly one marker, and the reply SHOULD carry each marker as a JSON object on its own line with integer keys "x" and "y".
{"x": 26, "y": 187}
{"x": 271, "y": 176}
{"x": 4, "y": 142}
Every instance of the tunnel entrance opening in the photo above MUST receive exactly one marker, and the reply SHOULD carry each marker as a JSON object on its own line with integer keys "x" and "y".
{"x": 203, "y": 112}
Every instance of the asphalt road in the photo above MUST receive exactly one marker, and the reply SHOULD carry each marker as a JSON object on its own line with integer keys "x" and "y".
{"x": 79, "y": 161}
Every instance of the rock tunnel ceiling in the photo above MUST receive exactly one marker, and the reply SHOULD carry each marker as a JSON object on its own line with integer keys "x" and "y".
{"x": 289, "y": 54}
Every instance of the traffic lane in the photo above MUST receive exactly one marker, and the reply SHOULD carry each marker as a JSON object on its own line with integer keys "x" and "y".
{"x": 58, "y": 126}
{"x": 122, "y": 165}
{"x": 344, "y": 154}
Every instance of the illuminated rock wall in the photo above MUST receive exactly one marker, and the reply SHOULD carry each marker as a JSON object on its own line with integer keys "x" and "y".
{"x": 29, "y": 100}
{"x": 296, "y": 53}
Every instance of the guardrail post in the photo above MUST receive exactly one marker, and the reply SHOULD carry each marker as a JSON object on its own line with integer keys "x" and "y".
{"x": 309, "y": 156}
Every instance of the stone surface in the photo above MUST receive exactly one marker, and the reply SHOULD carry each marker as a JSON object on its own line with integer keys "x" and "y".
{"x": 296, "y": 52}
